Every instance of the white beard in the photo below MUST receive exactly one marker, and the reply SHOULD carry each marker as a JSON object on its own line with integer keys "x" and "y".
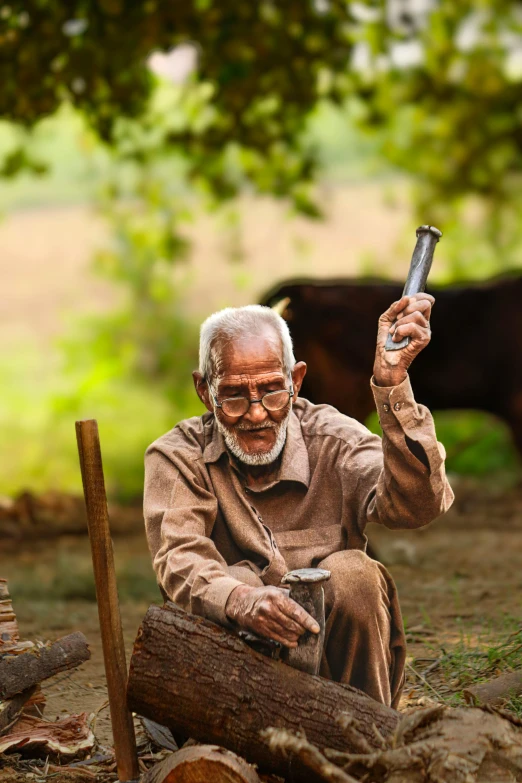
{"x": 260, "y": 457}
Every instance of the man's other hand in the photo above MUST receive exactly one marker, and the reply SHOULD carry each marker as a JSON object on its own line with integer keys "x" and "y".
{"x": 269, "y": 612}
{"x": 409, "y": 317}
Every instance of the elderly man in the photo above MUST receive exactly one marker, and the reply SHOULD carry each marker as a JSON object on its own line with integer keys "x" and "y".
{"x": 266, "y": 482}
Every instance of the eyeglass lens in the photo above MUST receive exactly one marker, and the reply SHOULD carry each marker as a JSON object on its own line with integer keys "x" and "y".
{"x": 238, "y": 406}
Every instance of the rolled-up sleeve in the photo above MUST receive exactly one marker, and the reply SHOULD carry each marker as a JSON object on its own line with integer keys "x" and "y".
{"x": 401, "y": 480}
{"x": 179, "y": 517}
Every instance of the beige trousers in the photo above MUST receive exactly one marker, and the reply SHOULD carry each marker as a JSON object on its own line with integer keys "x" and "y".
{"x": 364, "y": 641}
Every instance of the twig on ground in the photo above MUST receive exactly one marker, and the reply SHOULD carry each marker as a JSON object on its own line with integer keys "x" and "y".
{"x": 92, "y": 724}
{"x": 63, "y": 691}
{"x": 424, "y": 680}
{"x": 433, "y": 666}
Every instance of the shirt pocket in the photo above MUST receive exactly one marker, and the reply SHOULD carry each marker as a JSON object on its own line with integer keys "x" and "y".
{"x": 306, "y": 548}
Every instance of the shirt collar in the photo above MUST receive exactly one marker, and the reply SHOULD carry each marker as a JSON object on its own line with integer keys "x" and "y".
{"x": 295, "y": 465}
{"x": 214, "y": 441}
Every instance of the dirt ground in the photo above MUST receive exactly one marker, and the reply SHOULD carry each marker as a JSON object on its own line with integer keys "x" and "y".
{"x": 458, "y": 579}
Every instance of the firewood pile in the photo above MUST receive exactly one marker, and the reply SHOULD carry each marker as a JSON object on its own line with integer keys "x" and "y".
{"x": 34, "y": 748}
{"x": 24, "y": 665}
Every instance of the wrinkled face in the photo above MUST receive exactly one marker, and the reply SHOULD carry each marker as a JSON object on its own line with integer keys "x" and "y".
{"x": 250, "y": 367}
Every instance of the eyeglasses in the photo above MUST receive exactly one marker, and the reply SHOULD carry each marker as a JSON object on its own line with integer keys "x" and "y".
{"x": 238, "y": 406}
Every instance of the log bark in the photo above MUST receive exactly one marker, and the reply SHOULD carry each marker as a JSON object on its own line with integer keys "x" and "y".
{"x": 19, "y": 672}
{"x": 204, "y": 682}
{"x": 202, "y": 764}
{"x": 496, "y": 691}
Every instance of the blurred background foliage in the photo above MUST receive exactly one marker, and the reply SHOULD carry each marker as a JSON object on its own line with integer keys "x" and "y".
{"x": 155, "y": 112}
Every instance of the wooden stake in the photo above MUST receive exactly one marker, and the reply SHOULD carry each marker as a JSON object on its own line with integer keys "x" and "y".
{"x": 107, "y": 597}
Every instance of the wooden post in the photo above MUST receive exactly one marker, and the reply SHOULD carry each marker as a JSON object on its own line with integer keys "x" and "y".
{"x": 107, "y": 597}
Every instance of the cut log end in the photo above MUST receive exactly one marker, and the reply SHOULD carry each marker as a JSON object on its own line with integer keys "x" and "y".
{"x": 202, "y": 764}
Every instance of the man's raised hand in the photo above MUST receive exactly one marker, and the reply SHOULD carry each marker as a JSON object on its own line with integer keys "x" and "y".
{"x": 409, "y": 317}
{"x": 269, "y": 612}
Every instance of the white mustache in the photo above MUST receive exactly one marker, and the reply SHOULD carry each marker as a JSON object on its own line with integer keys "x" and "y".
{"x": 253, "y": 427}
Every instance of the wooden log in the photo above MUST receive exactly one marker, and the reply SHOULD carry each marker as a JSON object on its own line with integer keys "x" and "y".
{"x": 204, "y": 682}
{"x": 19, "y": 672}
{"x": 202, "y": 764}
{"x": 496, "y": 691}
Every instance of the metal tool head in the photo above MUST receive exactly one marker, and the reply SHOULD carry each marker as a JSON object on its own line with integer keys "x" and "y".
{"x": 435, "y": 231}
{"x": 421, "y": 260}
{"x": 308, "y": 576}
{"x": 268, "y": 647}
{"x": 306, "y": 589}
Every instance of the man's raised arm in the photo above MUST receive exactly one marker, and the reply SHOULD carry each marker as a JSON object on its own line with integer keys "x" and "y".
{"x": 402, "y": 481}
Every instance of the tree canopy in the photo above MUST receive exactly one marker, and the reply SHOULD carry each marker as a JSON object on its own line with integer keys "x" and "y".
{"x": 442, "y": 82}
{"x": 261, "y": 62}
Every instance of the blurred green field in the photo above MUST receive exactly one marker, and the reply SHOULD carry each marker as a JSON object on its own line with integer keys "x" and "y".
{"x": 39, "y": 441}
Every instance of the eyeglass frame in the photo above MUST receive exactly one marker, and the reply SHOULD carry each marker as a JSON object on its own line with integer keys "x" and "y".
{"x": 290, "y": 392}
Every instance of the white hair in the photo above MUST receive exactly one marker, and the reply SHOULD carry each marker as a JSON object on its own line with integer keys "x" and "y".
{"x": 234, "y": 322}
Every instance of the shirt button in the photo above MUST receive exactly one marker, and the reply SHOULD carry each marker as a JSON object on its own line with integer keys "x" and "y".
{"x": 397, "y": 406}
{"x": 386, "y": 407}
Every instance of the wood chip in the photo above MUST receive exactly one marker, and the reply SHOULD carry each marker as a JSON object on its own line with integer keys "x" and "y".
{"x": 70, "y": 737}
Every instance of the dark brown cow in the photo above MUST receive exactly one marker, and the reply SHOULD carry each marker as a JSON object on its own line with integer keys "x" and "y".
{"x": 474, "y": 359}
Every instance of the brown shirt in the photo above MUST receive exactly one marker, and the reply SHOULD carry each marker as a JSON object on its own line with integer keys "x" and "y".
{"x": 334, "y": 478}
